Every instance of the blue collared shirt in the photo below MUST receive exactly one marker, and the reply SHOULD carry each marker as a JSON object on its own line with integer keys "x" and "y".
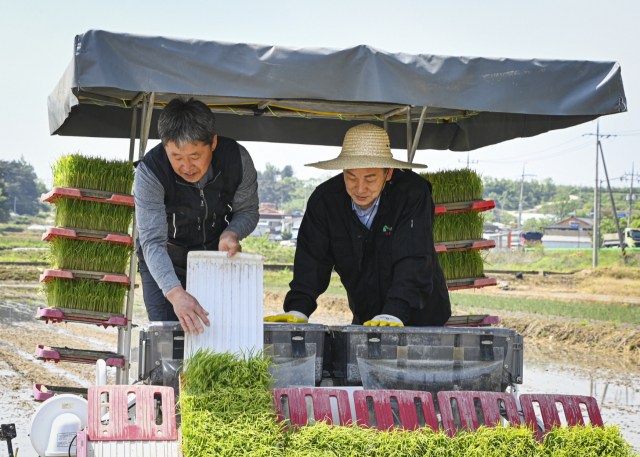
{"x": 366, "y": 215}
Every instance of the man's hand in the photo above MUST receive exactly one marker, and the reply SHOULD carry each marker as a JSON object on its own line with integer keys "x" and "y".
{"x": 229, "y": 242}
{"x": 384, "y": 320}
{"x": 292, "y": 317}
{"x": 188, "y": 310}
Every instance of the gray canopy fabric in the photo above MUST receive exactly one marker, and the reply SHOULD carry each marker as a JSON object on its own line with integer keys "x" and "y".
{"x": 314, "y": 95}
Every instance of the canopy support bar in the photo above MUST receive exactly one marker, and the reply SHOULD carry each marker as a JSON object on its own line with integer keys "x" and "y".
{"x": 122, "y": 376}
{"x": 264, "y": 104}
{"x": 134, "y": 126}
{"x": 416, "y": 140}
{"x": 409, "y": 135}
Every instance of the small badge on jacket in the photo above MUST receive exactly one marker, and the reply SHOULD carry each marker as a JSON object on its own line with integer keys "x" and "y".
{"x": 387, "y": 230}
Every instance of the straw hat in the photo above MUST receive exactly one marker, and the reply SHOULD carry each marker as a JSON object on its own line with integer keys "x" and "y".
{"x": 365, "y": 146}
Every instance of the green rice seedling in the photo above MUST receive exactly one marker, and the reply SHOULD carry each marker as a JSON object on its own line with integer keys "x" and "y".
{"x": 227, "y": 411}
{"x": 75, "y": 170}
{"x": 85, "y": 294}
{"x": 71, "y": 212}
{"x": 466, "y": 225}
{"x": 450, "y": 186}
{"x": 70, "y": 254}
{"x": 462, "y": 264}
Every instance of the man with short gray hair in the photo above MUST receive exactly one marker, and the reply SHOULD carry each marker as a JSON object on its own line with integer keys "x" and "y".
{"x": 194, "y": 191}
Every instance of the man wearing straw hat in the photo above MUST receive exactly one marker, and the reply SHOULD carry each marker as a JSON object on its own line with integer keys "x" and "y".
{"x": 373, "y": 225}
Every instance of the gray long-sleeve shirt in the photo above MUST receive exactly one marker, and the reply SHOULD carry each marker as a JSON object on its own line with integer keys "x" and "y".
{"x": 151, "y": 217}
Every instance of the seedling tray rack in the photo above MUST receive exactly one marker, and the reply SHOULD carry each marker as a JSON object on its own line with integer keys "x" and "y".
{"x": 458, "y": 207}
{"x": 87, "y": 195}
{"x": 87, "y": 235}
{"x": 82, "y": 274}
{"x": 471, "y": 283}
{"x": 58, "y": 315}
{"x": 448, "y": 246}
{"x": 78, "y": 356}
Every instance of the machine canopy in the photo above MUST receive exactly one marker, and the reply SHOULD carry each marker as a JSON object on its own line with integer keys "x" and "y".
{"x": 314, "y": 95}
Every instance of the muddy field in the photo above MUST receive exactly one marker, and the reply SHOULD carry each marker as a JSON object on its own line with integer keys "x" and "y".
{"x": 560, "y": 356}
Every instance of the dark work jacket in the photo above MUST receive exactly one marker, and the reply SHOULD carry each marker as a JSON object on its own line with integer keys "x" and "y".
{"x": 392, "y": 268}
{"x": 197, "y": 217}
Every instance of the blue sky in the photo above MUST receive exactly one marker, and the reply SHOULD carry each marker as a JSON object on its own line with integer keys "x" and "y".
{"x": 36, "y": 45}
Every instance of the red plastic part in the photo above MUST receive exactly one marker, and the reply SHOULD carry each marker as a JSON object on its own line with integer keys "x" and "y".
{"x": 489, "y": 320}
{"x": 50, "y": 354}
{"x": 467, "y": 409}
{"x": 118, "y": 428}
{"x": 406, "y": 408}
{"x": 484, "y": 244}
{"x": 478, "y": 283}
{"x": 484, "y": 205}
{"x": 54, "y": 232}
{"x": 549, "y": 411}
{"x": 38, "y": 395}
{"x": 321, "y": 404}
{"x": 81, "y": 444}
{"x": 66, "y": 274}
{"x": 70, "y": 192}
{"x": 57, "y": 316}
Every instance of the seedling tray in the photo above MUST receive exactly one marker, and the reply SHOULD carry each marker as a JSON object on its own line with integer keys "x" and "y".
{"x": 81, "y": 274}
{"x": 448, "y": 246}
{"x": 88, "y": 195}
{"x": 78, "y": 356}
{"x": 58, "y": 315}
{"x": 87, "y": 235}
{"x": 471, "y": 283}
{"x": 458, "y": 207}
{"x": 50, "y": 391}
{"x": 481, "y": 320}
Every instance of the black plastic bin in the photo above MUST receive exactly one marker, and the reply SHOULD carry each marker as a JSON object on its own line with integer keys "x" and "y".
{"x": 297, "y": 352}
{"x": 430, "y": 359}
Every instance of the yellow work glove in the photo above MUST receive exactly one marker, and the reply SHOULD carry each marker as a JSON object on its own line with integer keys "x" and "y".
{"x": 384, "y": 320}
{"x": 292, "y": 317}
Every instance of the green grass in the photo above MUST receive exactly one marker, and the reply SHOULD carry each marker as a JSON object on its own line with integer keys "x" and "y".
{"x": 462, "y": 264}
{"x": 544, "y": 307}
{"x": 69, "y": 254}
{"x": 91, "y": 215}
{"x": 466, "y": 225}
{"x": 451, "y": 186}
{"x": 279, "y": 280}
{"x": 9, "y": 255}
{"x": 75, "y": 170}
{"x": 85, "y": 294}
{"x": 559, "y": 260}
{"x": 270, "y": 250}
{"x": 227, "y": 411}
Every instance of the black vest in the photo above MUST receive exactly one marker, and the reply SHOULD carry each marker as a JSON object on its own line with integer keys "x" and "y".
{"x": 195, "y": 217}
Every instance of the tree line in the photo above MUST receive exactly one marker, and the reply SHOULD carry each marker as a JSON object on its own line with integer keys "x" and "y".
{"x": 20, "y": 189}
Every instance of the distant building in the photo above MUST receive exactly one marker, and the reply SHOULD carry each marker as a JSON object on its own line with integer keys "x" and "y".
{"x": 571, "y": 233}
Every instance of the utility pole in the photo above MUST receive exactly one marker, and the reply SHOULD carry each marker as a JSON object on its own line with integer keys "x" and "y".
{"x": 613, "y": 206}
{"x": 521, "y": 196}
{"x": 468, "y": 162}
{"x": 630, "y": 196}
{"x": 596, "y": 205}
{"x": 14, "y": 205}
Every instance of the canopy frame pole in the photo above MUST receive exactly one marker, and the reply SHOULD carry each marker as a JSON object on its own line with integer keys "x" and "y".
{"x": 385, "y": 124}
{"x": 416, "y": 140}
{"x": 132, "y": 265}
{"x": 409, "y": 135}
{"x": 145, "y": 128}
